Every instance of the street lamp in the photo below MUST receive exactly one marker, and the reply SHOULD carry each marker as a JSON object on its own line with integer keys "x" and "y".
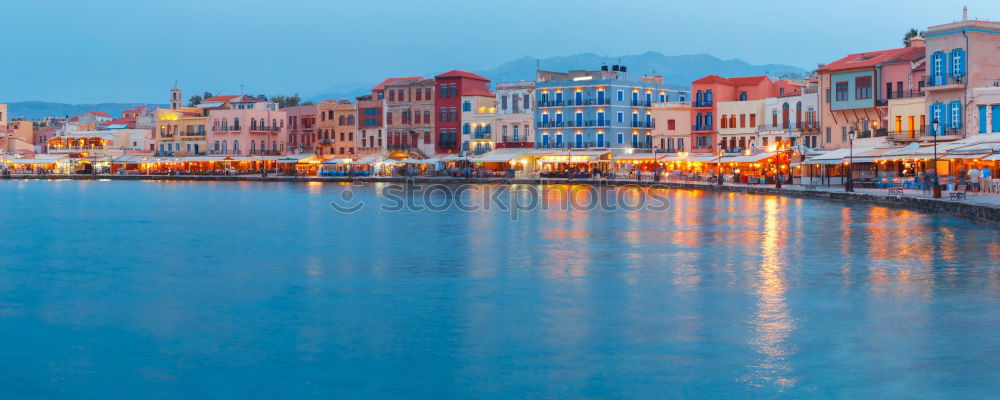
{"x": 936, "y": 189}
{"x": 849, "y": 187}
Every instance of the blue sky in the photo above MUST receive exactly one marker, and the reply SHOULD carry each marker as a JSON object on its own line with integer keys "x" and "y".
{"x": 132, "y": 51}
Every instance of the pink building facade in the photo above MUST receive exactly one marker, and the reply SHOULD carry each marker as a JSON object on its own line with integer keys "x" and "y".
{"x": 253, "y": 132}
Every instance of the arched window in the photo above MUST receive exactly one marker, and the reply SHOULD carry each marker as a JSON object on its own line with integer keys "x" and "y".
{"x": 784, "y": 116}
{"x": 236, "y": 147}
{"x": 798, "y": 114}
{"x": 225, "y": 147}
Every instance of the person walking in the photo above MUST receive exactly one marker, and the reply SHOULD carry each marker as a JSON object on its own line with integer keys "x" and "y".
{"x": 974, "y": 174}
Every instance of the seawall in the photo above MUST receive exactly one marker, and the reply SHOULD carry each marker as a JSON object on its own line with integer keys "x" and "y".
{"x": 983, "y": 213}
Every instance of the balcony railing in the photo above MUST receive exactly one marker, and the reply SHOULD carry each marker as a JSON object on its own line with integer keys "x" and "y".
{"x": 938, "y": 80}
{"x": 641, "y": 103}
{"x": 265, "y": 153}
{"x": 696, "y": 128}
{"x": 797, "y": 126}
{"x": 643, "y": 124}
{"x": 702, "y": 103}
{"x": 905, "y": 94}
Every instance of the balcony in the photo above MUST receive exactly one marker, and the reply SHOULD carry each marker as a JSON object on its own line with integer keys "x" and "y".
{"x": 807, "y": 126}
{"x": 549, "y": 103}
{"x": 905, "y": 94}
{"x": 701, "y": 128}
{"x": 702, "y": 104}
{"x": 265, "y": 153}
{"x": 264, "y": 129}
{"x": 551, "y": 124}
{"x": 641, "y": 103}
{"x": 643, "y": 124}
{"x": 943, "y": 83}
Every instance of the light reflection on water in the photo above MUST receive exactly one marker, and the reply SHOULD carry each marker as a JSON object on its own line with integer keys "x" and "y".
{"x": 184, "y": 289}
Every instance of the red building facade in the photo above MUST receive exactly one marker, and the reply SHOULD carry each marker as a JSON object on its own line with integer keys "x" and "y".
{"x": 449, "y": 88}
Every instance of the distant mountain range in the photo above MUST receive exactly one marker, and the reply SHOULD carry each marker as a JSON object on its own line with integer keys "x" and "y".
{"x": 36, "y": 110}
{"x": 678, "y": 71}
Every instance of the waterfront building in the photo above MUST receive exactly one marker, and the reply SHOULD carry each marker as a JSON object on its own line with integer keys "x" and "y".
{"x": 369, "y": 138}
{"x": 603, "y": 108}
{"x": 855, "y": 91}
{"x": 336, "y": 127}
{"x": 515, "y": 115}
{"x": 671, "y": 126}
{"x": 708, "y": 93}
{"x": 301, "y": 128}
{"x": 16, "y": 136}
{"x": 986, "y": 102}
{"x": 44, "y": 133}
{"x": 451, "y": 90}
{"x": 792, "y": 117}
{"x": 409, "y": 115}
{"x": 478, "y": 116}
{"x": 961, "y": 57}
{"x": 372, "y": 137}
{"x": 244, "y": 125}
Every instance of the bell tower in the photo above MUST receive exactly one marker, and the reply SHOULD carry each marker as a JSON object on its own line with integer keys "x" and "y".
{"x": 176, "y": 98}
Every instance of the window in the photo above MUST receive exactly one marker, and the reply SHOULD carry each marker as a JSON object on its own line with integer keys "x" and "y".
{"x": 743, "y": 120}
{"x": 671, "y": 125}
{"x": 753, "y": 120}
{"x": 743, "y": 96}
{"x": 621, "y": 116}
{"x": 466, "y": 106}
{"x": 841, "y": 91}
{"x": 621, "y": 136}
{"x": 862, "y": 87}
{"x": 725, "y": 122}
{"x": 503, "y": 102}
{"x": 828, "y": 136}
{"x": 957, "y": 66}
{"x": 621, "y": 96}
{"x": 955, "y": 113}
{"x": 701, "y": 142}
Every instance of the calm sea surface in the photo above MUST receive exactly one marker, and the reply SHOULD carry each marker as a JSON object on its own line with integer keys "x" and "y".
{"x": 260, "y": 290}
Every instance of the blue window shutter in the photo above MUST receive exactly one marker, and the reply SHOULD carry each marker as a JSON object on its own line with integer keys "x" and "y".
{"x": 961, "y": 113}
{"x": 951, "y": 63}
{"x": 982, "y": 119}
{"x": 996, "y": 119}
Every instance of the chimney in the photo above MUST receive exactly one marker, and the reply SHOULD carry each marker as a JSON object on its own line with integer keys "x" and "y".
{"x": 965, "y": 13}
{"x": 918, "y": 41}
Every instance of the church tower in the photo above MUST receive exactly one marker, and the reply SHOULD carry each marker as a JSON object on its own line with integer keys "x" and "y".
{"x": 176, "y": 98}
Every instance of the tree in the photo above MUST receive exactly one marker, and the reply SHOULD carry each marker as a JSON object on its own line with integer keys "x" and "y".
{"x": 308, "y": 103}
{"x": 287, "y": 101}
{"x": 912, "y": 33}
{"x": 194, "y": 101}
{"x": 207, "y": 95}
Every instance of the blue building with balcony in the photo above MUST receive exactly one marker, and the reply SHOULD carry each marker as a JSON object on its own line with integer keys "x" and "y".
{"x": 602, "y": 108}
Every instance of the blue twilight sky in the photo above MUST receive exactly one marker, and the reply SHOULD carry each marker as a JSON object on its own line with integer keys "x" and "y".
{"x": 133, "y": 50}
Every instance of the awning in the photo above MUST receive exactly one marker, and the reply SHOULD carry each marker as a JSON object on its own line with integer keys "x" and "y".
{"x": 39, "y": 160}
{"x": 501, "y": 155}
{"x": 994, "y": 157}
{"x": 752, "y": 158}
{"x": 645, "y": 157}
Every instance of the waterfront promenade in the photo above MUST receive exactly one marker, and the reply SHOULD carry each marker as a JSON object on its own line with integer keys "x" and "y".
{"x": 980, "y": 207}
